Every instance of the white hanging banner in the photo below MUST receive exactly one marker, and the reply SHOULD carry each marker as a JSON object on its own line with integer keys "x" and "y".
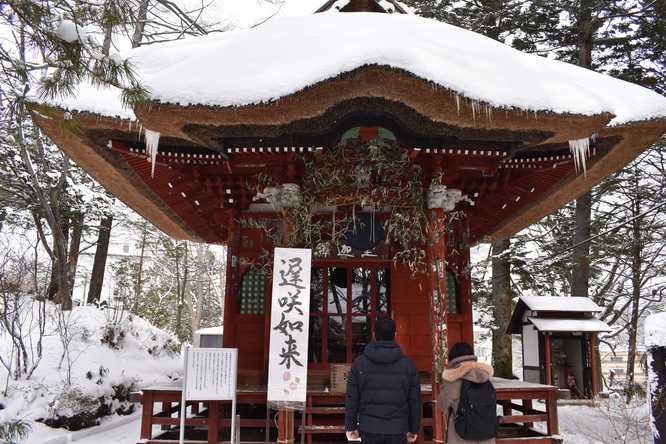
{"x": 290, "y": 324}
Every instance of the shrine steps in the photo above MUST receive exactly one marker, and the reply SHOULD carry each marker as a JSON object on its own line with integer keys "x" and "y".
{"x": 321, "y": 417}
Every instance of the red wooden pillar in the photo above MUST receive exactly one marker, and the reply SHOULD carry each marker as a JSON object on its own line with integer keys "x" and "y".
{"x": 147, "y": 416}
{"x": 285, "y": 424}
{"x": 231, "y": 284}
{"x": 438, "y": 324}
{"x": 548, "y": 364}
{"x": 551, "y": 409}
{"x": 214, "y": 421}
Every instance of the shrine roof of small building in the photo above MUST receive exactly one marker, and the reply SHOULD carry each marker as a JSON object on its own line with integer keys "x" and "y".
{"x": 556, "y": 308}
{"x": 560, "y": 304}
{"x": 384, "y": 6}
{"x": 569, "y": 325}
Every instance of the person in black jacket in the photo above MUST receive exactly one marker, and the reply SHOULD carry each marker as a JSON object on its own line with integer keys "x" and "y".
{"x": 383, "y": 403}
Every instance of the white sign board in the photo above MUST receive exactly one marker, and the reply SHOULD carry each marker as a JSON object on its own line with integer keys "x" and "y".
{"x": 211, "y": 373}
{"x": 290, "y": 324}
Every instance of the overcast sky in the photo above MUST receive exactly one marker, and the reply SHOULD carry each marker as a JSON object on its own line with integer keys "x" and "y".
{"x": 252, "y": 11}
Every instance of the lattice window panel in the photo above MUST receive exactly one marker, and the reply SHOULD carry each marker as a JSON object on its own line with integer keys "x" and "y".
{"x": 252, "y": 293}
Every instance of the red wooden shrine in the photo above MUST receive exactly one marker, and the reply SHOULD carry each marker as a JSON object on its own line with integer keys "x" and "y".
{"x": 232, "y": 175}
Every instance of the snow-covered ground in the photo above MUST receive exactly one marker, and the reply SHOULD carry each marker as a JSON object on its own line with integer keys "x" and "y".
{"x": 144, "y": 356}
{"x": 578, "y": 425}
{"x": 114, "y": 430}
{"x": 87, "y": 354}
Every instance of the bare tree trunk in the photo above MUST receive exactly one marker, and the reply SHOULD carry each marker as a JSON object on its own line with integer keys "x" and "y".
{"x": 580, "y": 278}
{"x": 54, "y": 286}
{"x": 140, "y": 24}
{"x": 196, "y": 295}
{"x": 581, "y": 252}
{"x": 189, "y": 294}
{"x": 139, "y": 278}
{"x": 50, "y": 205}
{"x": 52, "y": 289}
{"x": 74, "y": 246}
{"x": 585, "y": 34}
{"x": 108, "y": 37}
{"x": 99, "y": 265}
{"x": 182, "y": 288}
{"x": 636, "y": 266}
{"x": 64, "y": 297}
{"x": 501, "y": 288}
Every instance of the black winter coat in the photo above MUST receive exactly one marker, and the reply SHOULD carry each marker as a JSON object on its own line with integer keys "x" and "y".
{"x": 383, "y": 392}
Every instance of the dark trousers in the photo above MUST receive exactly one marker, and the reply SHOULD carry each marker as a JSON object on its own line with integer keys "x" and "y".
{"x": 372, "y": 438}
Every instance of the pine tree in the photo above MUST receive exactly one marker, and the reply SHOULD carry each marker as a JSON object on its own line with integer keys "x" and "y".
{"x": 615, "y": 37}
{"x": 626, "y": 39}
{"x": 48, "y": 49}
{"x": 497, "y": 19}
{"x": 502, "y": 309}
{"x": 58, "y": 49}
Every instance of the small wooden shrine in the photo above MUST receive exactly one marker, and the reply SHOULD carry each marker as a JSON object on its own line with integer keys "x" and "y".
{"x": 558, "y": 336}
{"x": 387, "y": 166}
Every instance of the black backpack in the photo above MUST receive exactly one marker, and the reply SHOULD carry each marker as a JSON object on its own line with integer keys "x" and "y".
{"x": 476, "y": 418}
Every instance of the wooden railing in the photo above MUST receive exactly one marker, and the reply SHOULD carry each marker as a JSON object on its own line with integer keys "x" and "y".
{"x": 322, "y": 420}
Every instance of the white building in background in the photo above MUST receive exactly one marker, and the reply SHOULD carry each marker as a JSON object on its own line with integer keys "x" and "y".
{"x": 210, "y": 337}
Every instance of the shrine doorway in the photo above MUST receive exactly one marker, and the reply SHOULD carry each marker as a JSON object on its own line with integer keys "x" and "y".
{"x": 346, "y": 300}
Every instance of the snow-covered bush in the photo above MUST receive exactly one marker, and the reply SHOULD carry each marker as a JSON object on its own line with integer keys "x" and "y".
{"x": 613, "y": 420}
{"x": 81, "y": 377}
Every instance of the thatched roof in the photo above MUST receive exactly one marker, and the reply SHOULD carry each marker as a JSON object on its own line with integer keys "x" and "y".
{"x": 496, "y": 122}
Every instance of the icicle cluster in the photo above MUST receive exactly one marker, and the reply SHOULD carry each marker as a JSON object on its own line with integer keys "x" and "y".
{"x": 152, "y": 142}
{"x": 580, "y": 148}
{"x": 475, "y": 106}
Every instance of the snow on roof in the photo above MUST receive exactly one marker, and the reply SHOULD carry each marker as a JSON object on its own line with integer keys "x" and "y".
{"x": 286, "y": 55}
{"x": 562, "y": 304}
{"x": 570, "y": 325}
{"x": 655, "y": 330}
{"x": 211, "y": 331}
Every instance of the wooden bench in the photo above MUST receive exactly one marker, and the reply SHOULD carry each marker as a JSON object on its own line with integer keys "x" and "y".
{"x": 519, "y": 428}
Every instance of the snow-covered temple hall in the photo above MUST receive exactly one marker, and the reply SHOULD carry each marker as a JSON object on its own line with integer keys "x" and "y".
{"x": 383, "y": 143}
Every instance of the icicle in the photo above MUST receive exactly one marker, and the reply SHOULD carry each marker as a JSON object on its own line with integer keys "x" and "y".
{"x": 152, "y": 141}
{"x": 475, "y": 110}
{"x": 457, "y": 98}
{"x": 580, "y": 148}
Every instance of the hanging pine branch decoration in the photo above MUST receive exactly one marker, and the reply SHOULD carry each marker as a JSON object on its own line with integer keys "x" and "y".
{"x": 353, "y": 176}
